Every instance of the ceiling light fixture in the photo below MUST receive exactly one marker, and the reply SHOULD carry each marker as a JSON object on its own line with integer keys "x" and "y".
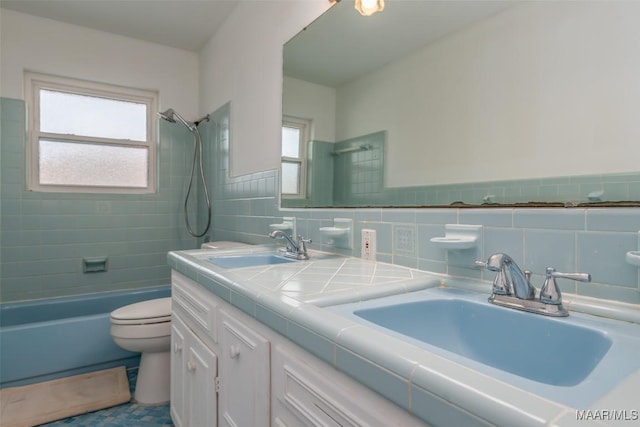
{"x": 366, "y": 7}
{"x": 369, "y": 7}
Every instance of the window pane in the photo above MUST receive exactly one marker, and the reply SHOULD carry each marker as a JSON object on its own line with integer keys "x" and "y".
{"x": 84, "y": 115}
{"x": 67, "y": 163}
{"x": 290, "y": 142}
{"x": 290, "y": 178}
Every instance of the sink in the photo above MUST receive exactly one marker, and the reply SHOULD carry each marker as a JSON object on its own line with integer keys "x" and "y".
{"x": 529, "y": 346}
{"x": 247, "y": 260}
{"x": 573, "y": 360}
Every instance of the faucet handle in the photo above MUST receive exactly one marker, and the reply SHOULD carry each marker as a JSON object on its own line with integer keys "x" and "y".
{"x": 302, "y": 248}
{"x": 550, "y": 292}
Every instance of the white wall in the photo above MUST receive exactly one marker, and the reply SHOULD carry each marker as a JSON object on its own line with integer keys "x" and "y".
{"x": 311, "y": 101}
{"x": 521, "y": 95}
{"x": 42, "y": 45}
{"x": 242, "y": 63}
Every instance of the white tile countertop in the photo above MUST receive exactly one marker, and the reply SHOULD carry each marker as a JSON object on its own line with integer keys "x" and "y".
{"x": 291, "y": 299}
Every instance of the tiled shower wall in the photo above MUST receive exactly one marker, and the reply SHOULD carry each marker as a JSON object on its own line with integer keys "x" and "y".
{"x": 46, "y": 235}
{"x": 359, "y": 175}
{"x": 571, "y": 240}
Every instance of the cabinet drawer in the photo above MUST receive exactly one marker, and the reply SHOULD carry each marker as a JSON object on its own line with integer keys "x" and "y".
{"x": 309, "y": 393}
{"x": 198, "y": 309}
{"x": 313, "y": 406}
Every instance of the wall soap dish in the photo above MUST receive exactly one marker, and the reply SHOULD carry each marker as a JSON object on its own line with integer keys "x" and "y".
{"x": 341, "y": 234}
{"x": 288, "y": 223}
{"x": 459, "y": 237}
{"x": 633, "y": 257}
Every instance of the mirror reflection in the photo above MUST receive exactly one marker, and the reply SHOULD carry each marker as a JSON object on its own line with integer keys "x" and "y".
{"x": 444, "y": 103}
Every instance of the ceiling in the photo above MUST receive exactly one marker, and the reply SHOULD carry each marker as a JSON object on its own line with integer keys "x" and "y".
{"x": 183, "y": 24}
{"x": 342, "y": 45}
{"x": 190, "y": 24}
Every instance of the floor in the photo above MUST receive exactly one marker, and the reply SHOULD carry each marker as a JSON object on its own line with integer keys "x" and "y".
{"x": 127, "y": 415}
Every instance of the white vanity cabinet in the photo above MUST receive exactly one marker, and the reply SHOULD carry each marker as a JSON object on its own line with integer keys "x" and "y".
{"x": 264, "y": 379}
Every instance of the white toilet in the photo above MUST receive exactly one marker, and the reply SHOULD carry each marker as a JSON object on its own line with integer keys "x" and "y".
{"x": 145, "y": 327}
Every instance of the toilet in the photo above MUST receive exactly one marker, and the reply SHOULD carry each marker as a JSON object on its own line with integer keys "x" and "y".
{"x": 145, "y": 327}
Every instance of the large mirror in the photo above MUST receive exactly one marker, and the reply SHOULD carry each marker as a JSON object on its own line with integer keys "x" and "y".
{"x": 433, "y": 103}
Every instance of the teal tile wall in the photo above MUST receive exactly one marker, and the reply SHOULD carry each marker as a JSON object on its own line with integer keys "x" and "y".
{"x": 359, "y": 175}
{"x": 590, "y": 240}
{"x": 44, "y": 236}
{"x": 358, "y": 180}
{"x": 615, "y": 187}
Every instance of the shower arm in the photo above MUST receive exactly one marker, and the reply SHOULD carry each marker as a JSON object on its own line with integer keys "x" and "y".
{"x": 170, "y": 115}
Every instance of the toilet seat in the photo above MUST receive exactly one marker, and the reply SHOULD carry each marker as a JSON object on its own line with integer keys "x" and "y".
{"x": 143, "y": 313}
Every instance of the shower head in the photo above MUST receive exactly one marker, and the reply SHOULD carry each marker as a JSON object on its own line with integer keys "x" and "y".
{"x": 167, "y": 115}
{"x": 171, "y": 115}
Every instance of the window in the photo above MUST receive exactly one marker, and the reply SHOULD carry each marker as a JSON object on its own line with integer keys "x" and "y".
{"x": 90, "y": 137}
{"x": 295, "y": 134}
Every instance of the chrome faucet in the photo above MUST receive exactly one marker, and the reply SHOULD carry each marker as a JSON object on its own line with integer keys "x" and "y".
{"x": 503, "y": 263}
{"x": 297, "y": 250}
{"x": 512, "y": 287}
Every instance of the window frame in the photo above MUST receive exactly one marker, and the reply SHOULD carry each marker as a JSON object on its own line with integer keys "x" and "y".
{"x": 305, "y": 131}
{"x": 34, "y": 82}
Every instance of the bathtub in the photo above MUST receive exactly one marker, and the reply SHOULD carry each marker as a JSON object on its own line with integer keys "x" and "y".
{"x": 48, "y": 339}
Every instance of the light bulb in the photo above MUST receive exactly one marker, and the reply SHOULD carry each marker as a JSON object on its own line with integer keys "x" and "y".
{"x": 369, "y": 7}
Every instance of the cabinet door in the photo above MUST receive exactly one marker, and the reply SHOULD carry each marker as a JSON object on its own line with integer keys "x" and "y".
{"x": 244, "y": 376}
{"x": 178, "y": 370}
{"x": 202, "y": 367}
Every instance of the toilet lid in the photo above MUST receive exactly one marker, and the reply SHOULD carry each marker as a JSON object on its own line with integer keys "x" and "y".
{"x": 151, "y": 311}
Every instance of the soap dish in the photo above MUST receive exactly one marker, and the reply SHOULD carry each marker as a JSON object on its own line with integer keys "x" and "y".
{"x": 334, "y": 231}
{"x": 282, "y": 226}
{"x": 458, "y": 237}
{"x": 340, "y": 234}
{"x": 288, "y": 223}
{"x": 455, "y": 243}
{"x": 633, "y": 258}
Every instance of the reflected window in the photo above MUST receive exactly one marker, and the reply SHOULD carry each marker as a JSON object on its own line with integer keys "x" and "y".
{"x": 295, "y": 135}
{"x": 90, "y": 137}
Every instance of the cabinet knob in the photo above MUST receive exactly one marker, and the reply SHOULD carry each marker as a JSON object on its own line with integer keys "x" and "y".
{"x": 191, "y": 367}
{"x": 177, "y": 348}
{"x": 234, "y": 352}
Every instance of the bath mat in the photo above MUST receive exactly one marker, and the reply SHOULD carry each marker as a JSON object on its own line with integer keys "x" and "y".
{"x": 54, "y": 400}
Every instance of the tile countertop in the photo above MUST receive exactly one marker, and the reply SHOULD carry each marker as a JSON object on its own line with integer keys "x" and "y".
{"x": 289, "y": 298}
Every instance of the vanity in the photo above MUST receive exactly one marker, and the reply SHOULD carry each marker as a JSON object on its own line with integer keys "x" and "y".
{"x": 257, "y": 341}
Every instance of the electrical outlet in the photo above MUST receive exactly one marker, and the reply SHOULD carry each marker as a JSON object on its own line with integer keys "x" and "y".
{"x": 369, "y": 244}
